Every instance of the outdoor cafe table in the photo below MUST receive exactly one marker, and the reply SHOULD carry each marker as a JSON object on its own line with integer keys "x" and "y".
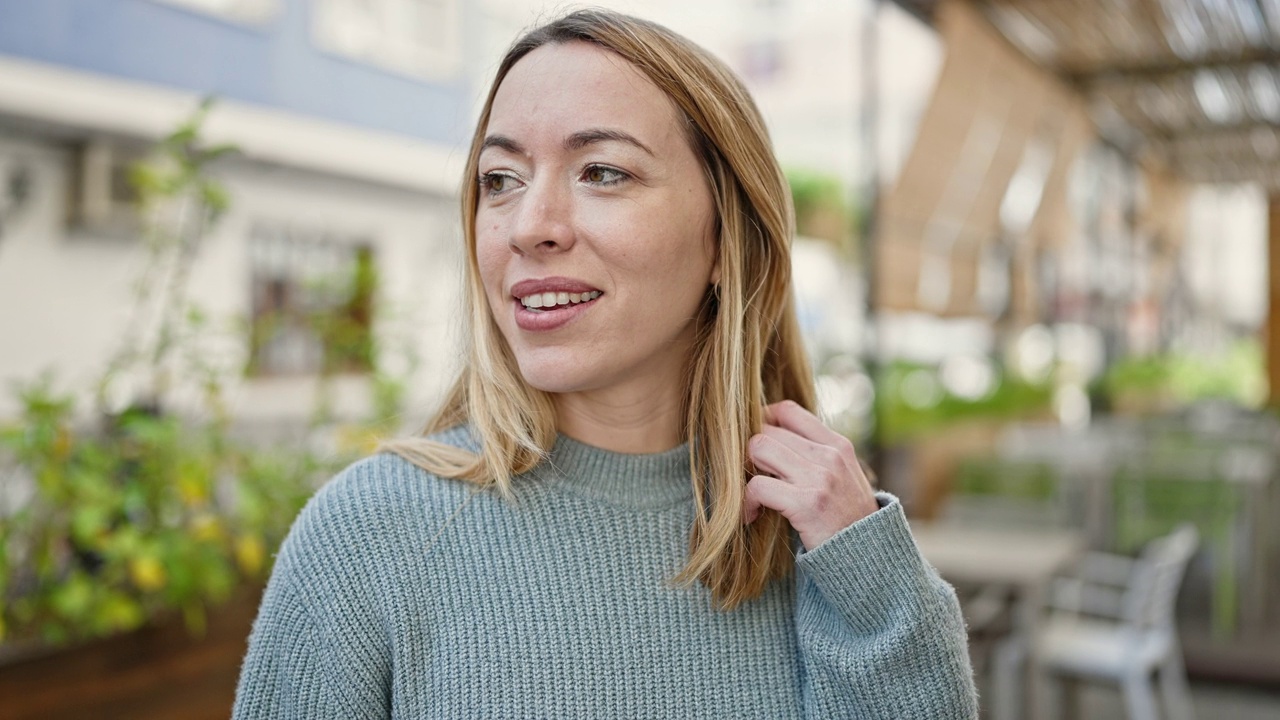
{"x": 1021, "y": 561}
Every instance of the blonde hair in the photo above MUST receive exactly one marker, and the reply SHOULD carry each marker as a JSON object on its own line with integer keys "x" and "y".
{"x": 748, "y": 350}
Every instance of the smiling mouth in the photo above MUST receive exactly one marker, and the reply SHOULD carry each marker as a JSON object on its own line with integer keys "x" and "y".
{"x": 549, "y": 301}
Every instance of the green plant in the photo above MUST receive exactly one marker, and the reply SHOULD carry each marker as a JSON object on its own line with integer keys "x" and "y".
{"x": 180, "y": 202}
{"x": 152, "y": 514}
{"x": 820, "y": 206}
{"x": 336, "y": 310}
{"x": 148, "y": 507}
{"x": 991, "y": 475}
{"x": 905, "y": 418}
{"x": 1151, "y": 501}
{"x": 1158, "y": 381}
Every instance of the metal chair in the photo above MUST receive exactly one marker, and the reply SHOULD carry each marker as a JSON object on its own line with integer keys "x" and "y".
{"x": 1114, "y": 621}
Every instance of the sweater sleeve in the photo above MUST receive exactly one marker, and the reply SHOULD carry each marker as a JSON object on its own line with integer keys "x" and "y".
{"x": 314, "y": 651}
{"x": 880, "y": 633}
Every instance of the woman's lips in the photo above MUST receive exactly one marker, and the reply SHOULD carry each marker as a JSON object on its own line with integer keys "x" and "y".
{"x": 543, "y": 319}
{"x": 531, "y": 286}
{"x": 562, "y": 300}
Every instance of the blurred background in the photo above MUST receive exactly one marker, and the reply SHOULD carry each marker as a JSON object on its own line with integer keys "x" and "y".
{"x": 1036, "y": 243}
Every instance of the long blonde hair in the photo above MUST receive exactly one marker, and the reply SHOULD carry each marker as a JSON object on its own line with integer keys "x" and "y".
{"x": 748, "y": 350}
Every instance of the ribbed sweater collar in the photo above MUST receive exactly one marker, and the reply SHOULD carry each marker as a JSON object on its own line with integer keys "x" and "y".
{"x": 639, "y": 481}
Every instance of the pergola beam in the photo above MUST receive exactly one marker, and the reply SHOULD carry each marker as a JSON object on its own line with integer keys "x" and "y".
{"x": 1265, "y": 174}
{"x": 1192, "y": 142}
{"x": 1215, "y": 133}
{"x": 1197, "y": 130}
{"x": 1145, "y": 72}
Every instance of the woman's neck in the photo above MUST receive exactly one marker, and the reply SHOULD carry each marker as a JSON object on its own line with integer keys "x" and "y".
{"x": 624, "y": 420}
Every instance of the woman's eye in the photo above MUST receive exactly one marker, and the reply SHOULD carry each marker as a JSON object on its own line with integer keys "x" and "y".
{"x": 494, "y": 183}
{"x": 601, "y": 175}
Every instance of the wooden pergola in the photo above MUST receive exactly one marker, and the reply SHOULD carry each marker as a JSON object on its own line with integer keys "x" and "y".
{"x": 1187, "y": 89}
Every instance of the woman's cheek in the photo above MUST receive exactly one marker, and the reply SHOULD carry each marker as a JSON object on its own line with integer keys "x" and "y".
{"x": 490, "y": 260}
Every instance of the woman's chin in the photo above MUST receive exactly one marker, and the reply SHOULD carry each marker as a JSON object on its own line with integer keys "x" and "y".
{"x": 560, "y": 378}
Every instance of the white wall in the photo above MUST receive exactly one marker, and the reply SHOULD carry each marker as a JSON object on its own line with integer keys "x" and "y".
{"x": 64, "y": 300}
{"x": 61, "y": 300}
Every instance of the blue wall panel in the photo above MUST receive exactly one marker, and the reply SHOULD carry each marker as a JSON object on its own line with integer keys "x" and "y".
{"x": 273, "y": 64}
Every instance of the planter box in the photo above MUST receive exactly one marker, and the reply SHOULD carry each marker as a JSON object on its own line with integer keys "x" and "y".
{"x": 153, "y": 673}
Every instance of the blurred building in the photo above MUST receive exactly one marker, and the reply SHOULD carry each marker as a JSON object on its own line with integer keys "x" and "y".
{"x": 1002, "y": 205}
{"x": 1065, "y": 176}
{"x": 350, "y": 117}
{"x": 347, "y": 116}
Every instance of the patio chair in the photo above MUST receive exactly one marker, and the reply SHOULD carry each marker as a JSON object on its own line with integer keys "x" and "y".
{"x": 1114, "y": 621}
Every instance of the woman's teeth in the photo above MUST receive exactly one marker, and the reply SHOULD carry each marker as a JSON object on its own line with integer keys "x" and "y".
{"x": 550, "y": 299}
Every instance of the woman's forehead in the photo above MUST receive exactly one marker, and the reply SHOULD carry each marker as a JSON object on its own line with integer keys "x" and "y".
{"x": 560, "y": 89}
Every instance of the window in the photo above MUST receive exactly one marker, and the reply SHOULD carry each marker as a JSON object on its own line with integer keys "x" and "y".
{"x": 416, "y": 37}
{"x": 250, "y": 11}
{"x": 311, "y": 308}
{"x": 103, "y": 201}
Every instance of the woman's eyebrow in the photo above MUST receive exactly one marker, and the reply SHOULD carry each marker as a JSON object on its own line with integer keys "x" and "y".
{"x": 576, "y": 141}
{"x": 583, "y": 138}
{"x": 503, "y": 142}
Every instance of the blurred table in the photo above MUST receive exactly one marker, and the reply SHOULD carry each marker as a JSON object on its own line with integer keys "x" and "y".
{"x": 1019, "y": 561}
{"x": 1001, "y": 556}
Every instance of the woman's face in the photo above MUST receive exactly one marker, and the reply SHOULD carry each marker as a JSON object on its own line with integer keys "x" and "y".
{"x": 594, "y": 224}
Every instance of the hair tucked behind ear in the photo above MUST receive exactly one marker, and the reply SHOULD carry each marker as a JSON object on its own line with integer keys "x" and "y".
{"x": 748, "y": 350}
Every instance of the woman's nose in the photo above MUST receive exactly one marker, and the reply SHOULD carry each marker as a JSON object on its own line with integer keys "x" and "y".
{"x": 543, "y": 220}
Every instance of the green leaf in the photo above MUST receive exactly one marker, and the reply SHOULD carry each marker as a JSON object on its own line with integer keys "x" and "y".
{"x": 119, "y": 613}
{"x": 186, "y": 133}
{"x": 216, "y": 151}
{"x": 215, "y": 197}
{"x": 145, "y": 179}
{"x": 124, "y": 542}
{"x": 72, "y": 598}
{"x": 88, "y": 523}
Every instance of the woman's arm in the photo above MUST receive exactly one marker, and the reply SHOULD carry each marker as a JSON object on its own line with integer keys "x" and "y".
{"x": 880, "y": 634}
{"x": 314, "y": 651}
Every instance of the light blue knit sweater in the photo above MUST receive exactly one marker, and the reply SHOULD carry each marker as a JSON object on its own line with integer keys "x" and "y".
{"x": 400, "y": 594}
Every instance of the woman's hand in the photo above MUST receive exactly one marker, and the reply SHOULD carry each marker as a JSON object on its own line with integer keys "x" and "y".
{"x": 814, "y": 480}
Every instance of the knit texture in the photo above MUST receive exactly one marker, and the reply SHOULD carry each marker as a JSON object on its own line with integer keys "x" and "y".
{"x": 399, "y": 594}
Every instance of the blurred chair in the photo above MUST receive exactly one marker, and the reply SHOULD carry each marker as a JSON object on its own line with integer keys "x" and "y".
{"x": 1114, "y": 621}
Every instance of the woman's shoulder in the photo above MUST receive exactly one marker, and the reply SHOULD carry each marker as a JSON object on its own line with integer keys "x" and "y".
{"x": 385, "y": 491}
{"x": 387, "y": 473}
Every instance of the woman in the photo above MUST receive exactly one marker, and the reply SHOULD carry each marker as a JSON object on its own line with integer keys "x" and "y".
{"x": 624, "y": 508}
